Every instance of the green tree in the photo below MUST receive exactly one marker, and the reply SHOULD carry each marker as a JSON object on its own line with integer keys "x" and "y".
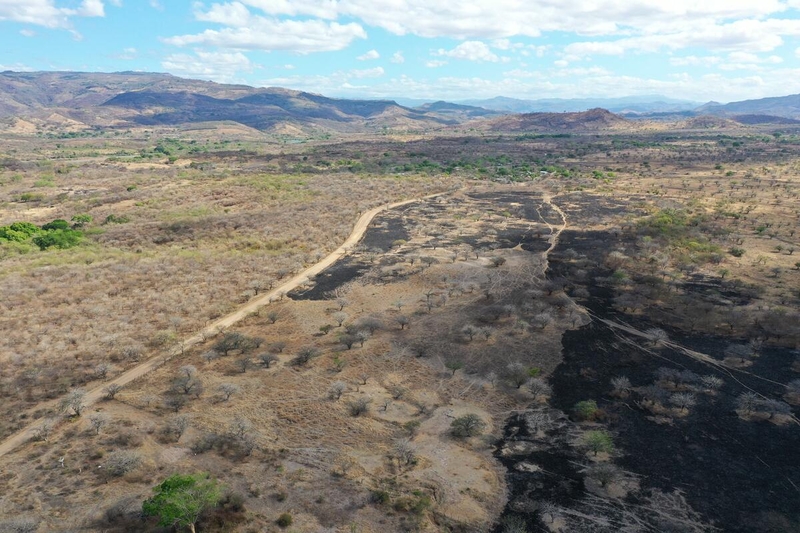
{"x": 467, "y": 426}
{"x": 81, "y": 220}
{"x": 181, "y": 499}
{"x": 598, "y": 441}
{"x": 60, "y": 238}
{"x": 58, "y": 223}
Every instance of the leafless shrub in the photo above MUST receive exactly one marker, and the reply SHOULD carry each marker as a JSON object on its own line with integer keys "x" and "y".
{"x": 121, "y": 462}
{"x": 359, "y": 406}
{"x": 336, "y": 390}
{"x": 112, "y": 390}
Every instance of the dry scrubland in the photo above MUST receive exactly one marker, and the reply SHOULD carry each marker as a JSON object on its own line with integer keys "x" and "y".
{"x": 334, "y": 405}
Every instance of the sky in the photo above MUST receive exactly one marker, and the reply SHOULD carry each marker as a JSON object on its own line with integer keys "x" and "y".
{"x": 700, "y": 50}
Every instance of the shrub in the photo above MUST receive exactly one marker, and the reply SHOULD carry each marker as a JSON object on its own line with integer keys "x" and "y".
{"x": 121, "y": 462}
{"x": 60, "y": 238}
{"x": 736, "y": 252}
{"x": 586, "y": 410}
{"x": 359, "y": 406}
{"x": 380, "y": 497}
{"x": 285, "y": 520}
{"x": 56, "y": 224}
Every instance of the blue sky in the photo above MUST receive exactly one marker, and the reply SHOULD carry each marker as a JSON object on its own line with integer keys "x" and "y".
{"x": 701, "y": 50}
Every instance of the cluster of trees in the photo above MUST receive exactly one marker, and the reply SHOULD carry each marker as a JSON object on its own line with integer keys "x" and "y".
{"x": 55, "y": 234}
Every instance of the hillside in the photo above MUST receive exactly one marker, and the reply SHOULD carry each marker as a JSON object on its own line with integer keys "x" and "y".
{"x": 127, "y": 99}
{"x": 781, "y": 106}
{"x": 592, "y": 120}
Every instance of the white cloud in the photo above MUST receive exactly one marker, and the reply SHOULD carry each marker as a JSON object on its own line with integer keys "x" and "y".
{"x": 471, "y": 51}
{"x": 16, "y": 67}
{"x": 156, "y": 4}
{"x": 797, "y": 52}
{"x": 499, "y": 19}
{"x": 435, "y": 63}
{"x": 376, "y": 72}
{"x": 47, "y": 13}
{"x": 245, "y": 31}
{"x": 372, "y": 54}
{"x": 223, "y": 67}
{"x": 27, "y": 33}
{"x": 128, "y": 54}
{"x": 741, "y": 35}
{"x": 92, "y": 8}
{"x": 398, "y": 58}
{"x": 694, "y": 61}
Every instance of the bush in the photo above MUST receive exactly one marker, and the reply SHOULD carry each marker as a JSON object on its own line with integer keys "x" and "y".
{"x": 56, "y": 224}
{"x": 380, "y": 497}
{"x": 18, "y": 231}
{"x": 736, "y": 252}
{"x": 60, "y": 238}
{"x": 285, "y": 520}
{"x": 122, "y": 462}
{"x": 586, "y": 410}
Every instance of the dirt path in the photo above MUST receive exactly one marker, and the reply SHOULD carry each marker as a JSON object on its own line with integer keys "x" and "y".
{"x": 554, "y": 234}
{"x": 97, "y": 393}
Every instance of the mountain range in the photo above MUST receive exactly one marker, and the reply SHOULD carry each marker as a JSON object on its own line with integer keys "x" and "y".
{"x": 45, "y": 101}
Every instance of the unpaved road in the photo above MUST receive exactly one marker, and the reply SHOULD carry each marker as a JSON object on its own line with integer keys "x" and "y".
{"x": 96, "y": 394}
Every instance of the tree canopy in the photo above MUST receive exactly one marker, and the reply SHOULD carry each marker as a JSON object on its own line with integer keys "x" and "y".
{"x": 181, "y": 498}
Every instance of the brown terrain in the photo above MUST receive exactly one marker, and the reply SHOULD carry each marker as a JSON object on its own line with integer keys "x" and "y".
{"x": 311, "y": 318}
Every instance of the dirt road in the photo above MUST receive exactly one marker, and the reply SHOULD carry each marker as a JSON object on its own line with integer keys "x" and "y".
{"x": 96, "y": 394}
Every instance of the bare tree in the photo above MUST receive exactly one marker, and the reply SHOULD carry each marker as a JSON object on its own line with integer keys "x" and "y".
{"x": 177, "y": 426}
{"x": 121, "y": 462}
{"x": 683, "y": 400}
{"x": 228, "y": 389}
{"x": 657, "y": 337}
{"x": 101, "y": 370}
{"x": 277, "y": 347}
{"x": 469, "y": 331}
{"x": 242, "y": 364}
{"x": 240, "y": 426}
{"x": 74, "y": 402}
{"x": 359, "y": 406}
{"x": 336, "y": 390}
{"x": 405, "y": 452}
{"x": 98, "y": 421}
{"x": 112, "y": 390}
{"x": 621, "y": 385}
{"x": 267, "y": 359}
{"x": 539, "y": 388}
{"x": 340, "y": 317}
{"x": 402, "y": 321}
{"x": 304, "y": 355}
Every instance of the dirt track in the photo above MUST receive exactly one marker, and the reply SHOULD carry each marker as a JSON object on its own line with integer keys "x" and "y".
{"x": 97, "y": 393}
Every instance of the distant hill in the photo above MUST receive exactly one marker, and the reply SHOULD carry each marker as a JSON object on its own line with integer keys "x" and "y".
{"x": 628, "y": 104}
{"x": 781, "y": 106}
{"x": 707, "y": 122}
{"x": 456, "y": 112}
{"x": 591, "y": 120}
{"x": 764, "y": 119}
